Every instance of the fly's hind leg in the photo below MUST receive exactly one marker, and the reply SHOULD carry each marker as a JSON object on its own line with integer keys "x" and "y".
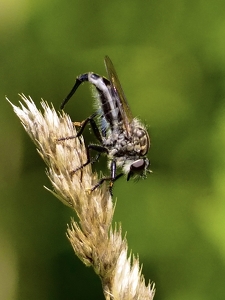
{"x": 82, "y": 126}
{"x": 93, "y": 124}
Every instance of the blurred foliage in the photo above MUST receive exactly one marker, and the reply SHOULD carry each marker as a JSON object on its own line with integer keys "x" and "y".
{"x": 171, "y": 62}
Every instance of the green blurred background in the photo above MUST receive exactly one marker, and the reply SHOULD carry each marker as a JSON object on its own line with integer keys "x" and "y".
{"x": 170, "y": 57}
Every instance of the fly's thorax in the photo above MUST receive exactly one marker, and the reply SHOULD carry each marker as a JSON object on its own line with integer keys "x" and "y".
{"x": 140, "y": 141}
{"x": 116, "y": 137}
{"x": 132, "y": 145}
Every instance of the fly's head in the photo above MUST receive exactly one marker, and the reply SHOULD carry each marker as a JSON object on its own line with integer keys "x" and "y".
{"x": 138, "y": 168}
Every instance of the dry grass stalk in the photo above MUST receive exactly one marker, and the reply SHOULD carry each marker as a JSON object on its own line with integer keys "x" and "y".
{"x": 93, "y": 239}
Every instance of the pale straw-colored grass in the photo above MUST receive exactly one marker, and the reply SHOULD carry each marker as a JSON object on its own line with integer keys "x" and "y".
{"x": 93, "y": 239}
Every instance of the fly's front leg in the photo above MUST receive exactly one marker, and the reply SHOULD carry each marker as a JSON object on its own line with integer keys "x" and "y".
{"x": 112, "y": 178}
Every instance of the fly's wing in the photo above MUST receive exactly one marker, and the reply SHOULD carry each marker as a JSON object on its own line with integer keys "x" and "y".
{"x": 119, "y": 94}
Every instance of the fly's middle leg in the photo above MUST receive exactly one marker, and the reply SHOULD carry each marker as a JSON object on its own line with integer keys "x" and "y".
{"x": 99, "y": 149}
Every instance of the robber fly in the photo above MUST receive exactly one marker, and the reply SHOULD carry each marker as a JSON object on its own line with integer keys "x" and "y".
{"x": 121, "y": 137}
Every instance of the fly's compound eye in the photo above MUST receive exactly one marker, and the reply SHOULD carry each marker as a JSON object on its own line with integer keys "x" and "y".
{"x": 138, "y": 167}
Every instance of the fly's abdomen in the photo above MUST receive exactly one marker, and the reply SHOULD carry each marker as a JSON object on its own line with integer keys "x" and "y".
{"x": 106, "y": 102}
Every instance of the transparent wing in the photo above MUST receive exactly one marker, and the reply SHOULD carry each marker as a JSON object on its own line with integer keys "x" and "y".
{"x": 120, "y": 97}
